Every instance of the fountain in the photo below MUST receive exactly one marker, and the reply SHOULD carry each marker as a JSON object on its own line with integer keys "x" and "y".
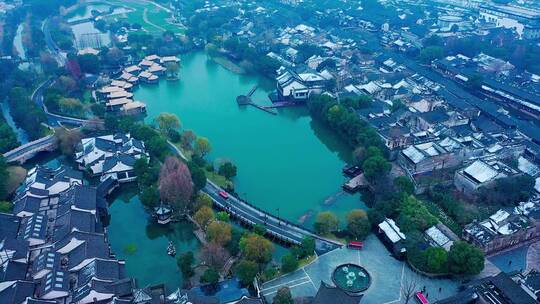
{"x": 351, "y": 278}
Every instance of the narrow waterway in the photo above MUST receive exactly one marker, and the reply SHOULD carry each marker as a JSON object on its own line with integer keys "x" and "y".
{"x": 288, "y": 164}
{"x": 148, "y": 261}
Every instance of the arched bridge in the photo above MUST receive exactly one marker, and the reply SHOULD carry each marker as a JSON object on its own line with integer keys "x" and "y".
{"x": 22, "y": 153}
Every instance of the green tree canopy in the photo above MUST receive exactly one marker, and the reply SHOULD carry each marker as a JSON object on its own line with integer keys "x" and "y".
{"x": 436, "y": 260}
{"x": 246, "y": 271}
{"x": 289, "y": 263}
{"x": 376, "y": 167}
{"x": 326, "y": 222}
{"x": 465, "y": 258}
{"x": 358, "y": 223}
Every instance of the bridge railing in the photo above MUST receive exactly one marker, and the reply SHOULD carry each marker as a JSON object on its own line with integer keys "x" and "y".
{"x": 32, "y": 144}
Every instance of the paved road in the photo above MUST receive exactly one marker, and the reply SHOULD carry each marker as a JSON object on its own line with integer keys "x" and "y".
{"x": 276, "y": 227}
{"x": 53, "y": 119}
{"x": 51, "y": 45}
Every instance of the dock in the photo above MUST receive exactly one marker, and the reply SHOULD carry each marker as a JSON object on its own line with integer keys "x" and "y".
{"x": 245, "y": 100}
{"x": 356, "y": 183}
{"x": 352, "y": 171}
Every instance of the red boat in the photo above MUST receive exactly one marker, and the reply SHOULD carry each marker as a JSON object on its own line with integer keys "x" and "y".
{"x": 355, "y": 245}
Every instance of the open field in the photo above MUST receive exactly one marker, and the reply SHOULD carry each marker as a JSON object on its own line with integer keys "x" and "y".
{"x": 152, "y": 17}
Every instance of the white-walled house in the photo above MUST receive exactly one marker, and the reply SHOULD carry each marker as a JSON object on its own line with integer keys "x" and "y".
{"x": 111, "y": 156}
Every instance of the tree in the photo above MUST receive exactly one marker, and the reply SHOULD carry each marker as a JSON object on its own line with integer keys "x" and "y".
{"x": 430, "y": 53}
{"x": 89, "y": 63}
{"x": 210, "y": 276}
{"x": 465, "y": 258}
{"x": 359, "y": 155}
{"x": 376, "y": 167}
{"x": 223, "y": 216}
{"x": 167, "y": 123}
{"x": 214, "y": 255}
{"x": 114, "y": 55}
{"x": 203, "y": 200}
{"x": 185, "y": 262}
{"x": 289, "y": 263}
{"x": 474, "y": 82}
{"x": 508, "y": 191}
{"x": 358, "y": 223}
{"x": 409, "y": 288}
{"x": 326, "y": 222}
{"x": 227, "y": 169}
{"x": 71, "y": 106}
{"x": 198, "y": 177}
{"x": 5, "y": 207}
{"x": 4, "y": 176}
{"x": 66, "y": 84}
{"x": 188, "y": 137}
{"x": 68, "y": 140}
{"x": 404, "y": 184}
{"x": 149, "y": 196}
{"x": 308, "y": 246}
{"x": 172, "y": 69}
{"x": 219, "y": 232}
{"x": 175, "y": 185}
{"x": 202, "y": 146}
{"x": 246, "y": 271}
{"x": 413, "y": 215}
{"x": 283, "y": 296}
{"x": 256, "y": 248}
{"x": 204, "y": 216}
{"x": 436, "y": 260}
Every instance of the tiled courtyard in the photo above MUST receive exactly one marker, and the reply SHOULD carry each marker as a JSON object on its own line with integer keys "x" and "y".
{"x": 387, "y": 276}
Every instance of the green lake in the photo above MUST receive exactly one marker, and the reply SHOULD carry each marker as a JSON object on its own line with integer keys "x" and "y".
{"x": 287, "y": 163}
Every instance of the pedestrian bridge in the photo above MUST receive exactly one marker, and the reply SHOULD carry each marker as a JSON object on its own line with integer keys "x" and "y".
{"x": 22, "y": 153}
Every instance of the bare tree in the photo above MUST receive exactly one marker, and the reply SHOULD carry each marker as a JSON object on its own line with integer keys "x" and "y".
{"x": 215, "y": 255}
{"x": 409, "y": 287}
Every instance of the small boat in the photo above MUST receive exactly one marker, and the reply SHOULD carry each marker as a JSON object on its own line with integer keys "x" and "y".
{"x": 171, "y": 250}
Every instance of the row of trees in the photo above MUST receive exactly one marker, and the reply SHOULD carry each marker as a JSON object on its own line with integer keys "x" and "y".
{"x": 26, "y": 114}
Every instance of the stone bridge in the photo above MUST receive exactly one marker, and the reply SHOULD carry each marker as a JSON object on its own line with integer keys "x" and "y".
{"x": 22, "y": 153}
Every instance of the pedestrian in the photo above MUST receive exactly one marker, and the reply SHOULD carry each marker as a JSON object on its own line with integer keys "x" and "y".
{"x": 510, "y": 262}
{"x": 427, "y": 294}
{"x": 424, "y": 288}
{"x": 440, "y": 289}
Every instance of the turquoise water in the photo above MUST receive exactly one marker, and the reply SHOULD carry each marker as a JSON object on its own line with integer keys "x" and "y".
{"x": 288, "y": 164}
{"x": 149, "y": 264}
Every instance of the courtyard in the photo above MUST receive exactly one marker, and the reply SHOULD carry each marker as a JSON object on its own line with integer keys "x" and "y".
{"x": 388, "y": 275}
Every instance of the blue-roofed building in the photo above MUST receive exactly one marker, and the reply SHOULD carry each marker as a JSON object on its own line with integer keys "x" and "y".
{"x": 46, "y": 262}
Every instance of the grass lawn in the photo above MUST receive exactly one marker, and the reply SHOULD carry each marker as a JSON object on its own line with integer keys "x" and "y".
{"x": 17, "y": 174}
{"x": 151, "y": 17}
{"x": 218, "y": 179}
